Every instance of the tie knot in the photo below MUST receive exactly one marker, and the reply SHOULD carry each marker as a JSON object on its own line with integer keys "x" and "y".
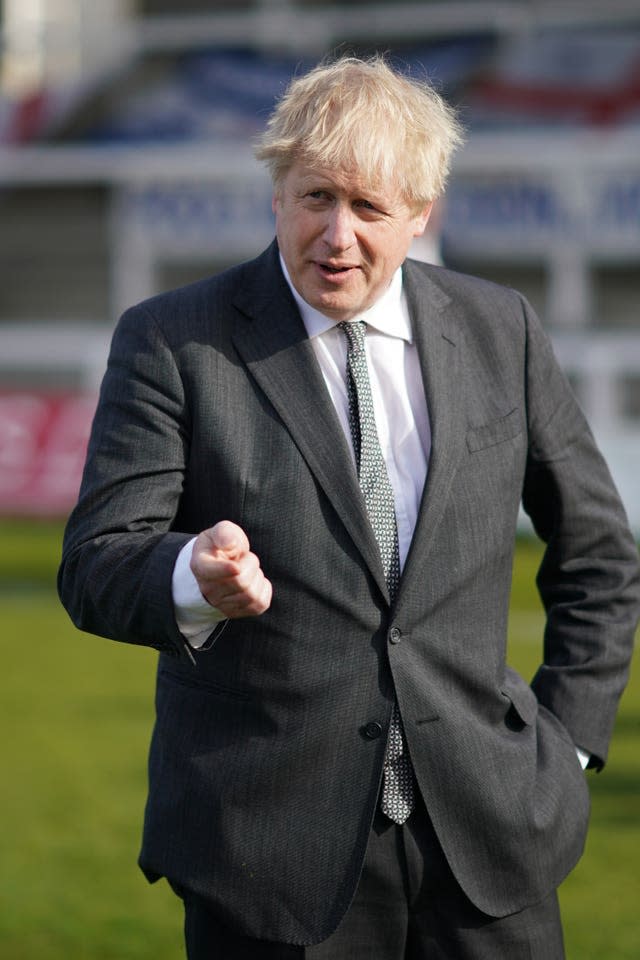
{"x": 355, "y": 331}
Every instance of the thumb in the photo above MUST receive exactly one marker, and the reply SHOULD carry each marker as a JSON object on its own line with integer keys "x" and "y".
{"x": 230, "y": 539}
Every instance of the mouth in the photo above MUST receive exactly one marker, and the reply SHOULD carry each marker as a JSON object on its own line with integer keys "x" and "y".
{"x": 335, "y": 270}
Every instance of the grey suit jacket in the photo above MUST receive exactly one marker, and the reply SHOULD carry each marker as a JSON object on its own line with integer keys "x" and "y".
{"x": 267, "y": 752}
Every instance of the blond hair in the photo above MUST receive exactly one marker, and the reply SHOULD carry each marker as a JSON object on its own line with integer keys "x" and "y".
{"x": 362, "y": 116}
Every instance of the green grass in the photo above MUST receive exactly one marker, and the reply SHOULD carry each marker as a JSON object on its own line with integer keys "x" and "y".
{"x": 76, "y": 715}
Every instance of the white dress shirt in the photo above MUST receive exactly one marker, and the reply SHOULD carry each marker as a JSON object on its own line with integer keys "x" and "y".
{"x": 398, "y": 394}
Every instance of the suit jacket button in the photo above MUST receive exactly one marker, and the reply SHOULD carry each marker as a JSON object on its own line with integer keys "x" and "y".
{"x": 372, "y": 730}
{"x": 394, "y": 635}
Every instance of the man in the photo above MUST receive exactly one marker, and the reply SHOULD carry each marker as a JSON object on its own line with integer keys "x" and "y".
{"x": 302, "y": 488}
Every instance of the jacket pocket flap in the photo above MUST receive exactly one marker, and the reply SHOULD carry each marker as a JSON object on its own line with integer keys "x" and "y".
{"x": 522, "y": 698}
{"x": 495, "y": 432}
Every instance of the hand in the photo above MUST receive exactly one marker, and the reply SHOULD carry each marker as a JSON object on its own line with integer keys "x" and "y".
{"x": 228, "y": 574}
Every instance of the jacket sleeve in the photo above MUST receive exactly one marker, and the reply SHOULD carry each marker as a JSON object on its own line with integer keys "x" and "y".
{"x": 588, "y": 578}
{"x": 119, "y": 548}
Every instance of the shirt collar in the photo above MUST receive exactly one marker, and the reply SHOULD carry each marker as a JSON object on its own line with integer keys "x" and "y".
{"x": 389, "y": 314}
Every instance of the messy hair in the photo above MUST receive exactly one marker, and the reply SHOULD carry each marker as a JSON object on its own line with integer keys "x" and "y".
{"x": 360, "y": 114}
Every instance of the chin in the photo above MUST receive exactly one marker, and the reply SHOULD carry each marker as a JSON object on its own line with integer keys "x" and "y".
{"x": 336, "y": 311}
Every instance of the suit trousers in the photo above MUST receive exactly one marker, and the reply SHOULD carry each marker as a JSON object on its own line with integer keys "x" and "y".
{"x": 408, "y": 906}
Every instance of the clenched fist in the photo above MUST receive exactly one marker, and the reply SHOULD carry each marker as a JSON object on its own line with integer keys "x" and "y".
{"x": 228, "y": 574}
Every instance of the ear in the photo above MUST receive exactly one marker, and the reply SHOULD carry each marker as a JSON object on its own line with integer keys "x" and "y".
{"x": 274, "y": 203}
{"x": 421, "y": 219}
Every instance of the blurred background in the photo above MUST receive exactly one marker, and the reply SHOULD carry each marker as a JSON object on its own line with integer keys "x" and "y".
{"x": 125, "y": 169}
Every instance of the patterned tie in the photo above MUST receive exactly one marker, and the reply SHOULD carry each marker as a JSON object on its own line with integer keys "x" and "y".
{"x": 397, "y": 789}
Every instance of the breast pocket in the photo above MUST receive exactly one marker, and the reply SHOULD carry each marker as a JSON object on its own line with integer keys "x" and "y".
{"x": 494, "y": 432}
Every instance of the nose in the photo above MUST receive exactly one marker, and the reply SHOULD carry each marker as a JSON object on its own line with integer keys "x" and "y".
{"x": 339, "y": 233}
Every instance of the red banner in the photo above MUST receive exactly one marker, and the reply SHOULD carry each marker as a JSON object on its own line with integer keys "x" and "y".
{"x": 43, "y": 442}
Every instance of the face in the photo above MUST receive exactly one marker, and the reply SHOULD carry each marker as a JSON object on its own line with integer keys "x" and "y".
{"x": 341, "y": 240}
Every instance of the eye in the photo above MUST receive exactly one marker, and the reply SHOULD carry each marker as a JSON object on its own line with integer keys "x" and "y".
{"x": 369, "y": 209}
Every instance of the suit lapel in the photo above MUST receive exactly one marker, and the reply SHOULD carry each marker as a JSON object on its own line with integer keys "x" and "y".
{"x": 272, "y": 341}
{"x": 439, "y": 338}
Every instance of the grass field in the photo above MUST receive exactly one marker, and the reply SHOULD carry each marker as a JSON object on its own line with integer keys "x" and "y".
{"x": 76, "y": 714}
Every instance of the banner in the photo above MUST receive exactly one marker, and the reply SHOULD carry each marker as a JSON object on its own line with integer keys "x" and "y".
{"x": 43, "y": 442}
{"x": 531, "y": 212}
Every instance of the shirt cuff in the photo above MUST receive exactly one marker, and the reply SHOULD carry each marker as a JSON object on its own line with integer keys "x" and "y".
{"x": 583, "y": 757}
{"x": 195, "y": 617}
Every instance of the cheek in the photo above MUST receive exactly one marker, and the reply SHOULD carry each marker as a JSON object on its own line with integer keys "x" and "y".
{"x": 386, "y": 256}
{"x": 293, "y": 233}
